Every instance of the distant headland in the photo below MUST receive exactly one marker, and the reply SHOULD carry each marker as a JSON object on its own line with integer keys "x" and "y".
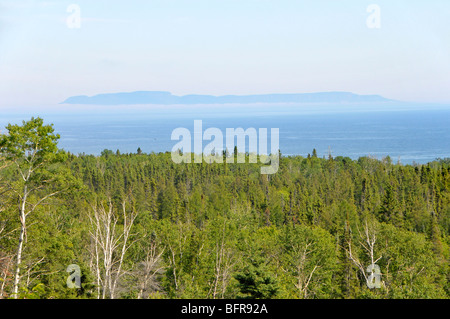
{"x": 167, "y": 98}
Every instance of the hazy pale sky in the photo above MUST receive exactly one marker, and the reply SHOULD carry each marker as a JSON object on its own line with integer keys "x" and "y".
{"x": 223, "y": 47}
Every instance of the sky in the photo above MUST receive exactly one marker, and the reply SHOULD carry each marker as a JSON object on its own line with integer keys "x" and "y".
{"x": 400, "y": 50}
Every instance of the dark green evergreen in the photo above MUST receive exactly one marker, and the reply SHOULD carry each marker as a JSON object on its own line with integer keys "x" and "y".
{"x": 225, "y": 230}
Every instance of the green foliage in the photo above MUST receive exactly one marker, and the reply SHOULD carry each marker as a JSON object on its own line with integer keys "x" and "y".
{"x": 224, "y": 230}
{"x": 30, "y": 142}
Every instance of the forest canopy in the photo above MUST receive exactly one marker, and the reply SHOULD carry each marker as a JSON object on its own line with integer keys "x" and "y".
{"x": 140, "y": 226}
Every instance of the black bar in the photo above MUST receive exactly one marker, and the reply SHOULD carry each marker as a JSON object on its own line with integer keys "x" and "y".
{"x": 235, "y": 308}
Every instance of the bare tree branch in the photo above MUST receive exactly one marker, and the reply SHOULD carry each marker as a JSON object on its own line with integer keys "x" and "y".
{"x": 109, "y": 247}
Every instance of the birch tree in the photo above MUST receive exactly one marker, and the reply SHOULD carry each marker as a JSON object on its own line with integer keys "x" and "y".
{"x": 224, "y": 263}
{"x": 367, "y": 241}
{"x": 32, "y": 151}
{"x": 145, "y": 273}
{"x": 110, "y": 244}
{"x": 308, "y": 259}
{"x": 303, "y": 275}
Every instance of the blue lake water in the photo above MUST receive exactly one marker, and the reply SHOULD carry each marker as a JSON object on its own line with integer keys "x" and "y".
{"x": 410, "y": 134}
